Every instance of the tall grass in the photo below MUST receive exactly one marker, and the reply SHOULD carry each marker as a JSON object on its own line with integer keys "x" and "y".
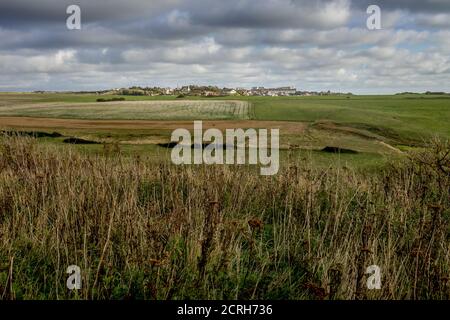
{"x": 140, "y": 231}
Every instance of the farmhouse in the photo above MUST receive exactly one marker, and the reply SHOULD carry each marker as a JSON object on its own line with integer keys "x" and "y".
{"x": 229, "y": 92}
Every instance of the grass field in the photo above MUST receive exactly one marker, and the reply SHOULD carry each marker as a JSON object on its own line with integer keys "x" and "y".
{"x": 142, "y": 228}
{"x": 405, "y": 112}
{"x": 418, "y": 115}
{"x": 413, "y": 117}
{"x": 375, "y": 126}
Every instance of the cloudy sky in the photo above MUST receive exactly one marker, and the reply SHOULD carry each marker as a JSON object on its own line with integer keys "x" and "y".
{"x": 313, "y": 45}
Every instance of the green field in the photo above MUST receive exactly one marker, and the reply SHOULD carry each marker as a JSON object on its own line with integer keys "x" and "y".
{"x": 410, "y": 116}
{"x": 416, "y": 115}
{"x": 377, "y": 127}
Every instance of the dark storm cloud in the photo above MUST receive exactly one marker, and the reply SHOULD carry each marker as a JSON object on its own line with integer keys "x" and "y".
{"x": 273, "y": 14}
{"x": 137, "y": 23}
{"x": 28, "y": 13}
{"x": 232, "y": 13}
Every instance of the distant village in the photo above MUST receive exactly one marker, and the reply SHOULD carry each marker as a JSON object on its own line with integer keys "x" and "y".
{"x": 213, "y": 91}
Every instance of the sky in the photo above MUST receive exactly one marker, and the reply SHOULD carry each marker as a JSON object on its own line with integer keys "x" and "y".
{"x": 312, "y": 45}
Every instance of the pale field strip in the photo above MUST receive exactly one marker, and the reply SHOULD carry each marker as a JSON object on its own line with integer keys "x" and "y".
{"x": 134, "y": 110}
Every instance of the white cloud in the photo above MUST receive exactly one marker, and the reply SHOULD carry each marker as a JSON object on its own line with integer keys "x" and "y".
{"x": 319, "y": 44}
{"x": 441, "y": 20}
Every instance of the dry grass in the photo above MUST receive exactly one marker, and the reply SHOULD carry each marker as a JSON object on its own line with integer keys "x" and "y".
{"x": 164, "y": 232}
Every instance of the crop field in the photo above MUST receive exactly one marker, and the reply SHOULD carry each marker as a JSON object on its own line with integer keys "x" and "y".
{"x": 132, "y": 110}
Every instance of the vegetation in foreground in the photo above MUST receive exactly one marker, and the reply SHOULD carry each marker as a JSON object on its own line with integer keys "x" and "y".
{"x": 147, "y": 231}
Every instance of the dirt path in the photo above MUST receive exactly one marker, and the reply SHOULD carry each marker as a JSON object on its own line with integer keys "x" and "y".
{"x": 55, "y": 124}
{"x": 384, "y": 144}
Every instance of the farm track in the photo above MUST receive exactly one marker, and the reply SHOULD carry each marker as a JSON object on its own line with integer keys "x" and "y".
{"x": 55, "y": 124}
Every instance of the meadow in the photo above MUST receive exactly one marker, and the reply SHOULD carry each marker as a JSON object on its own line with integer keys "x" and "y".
{"x": 375, "y": 126}
{"x": 142, "y": 228}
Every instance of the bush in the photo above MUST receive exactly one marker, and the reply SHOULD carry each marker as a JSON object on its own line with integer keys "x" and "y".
{"x": 110, "y": 100}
